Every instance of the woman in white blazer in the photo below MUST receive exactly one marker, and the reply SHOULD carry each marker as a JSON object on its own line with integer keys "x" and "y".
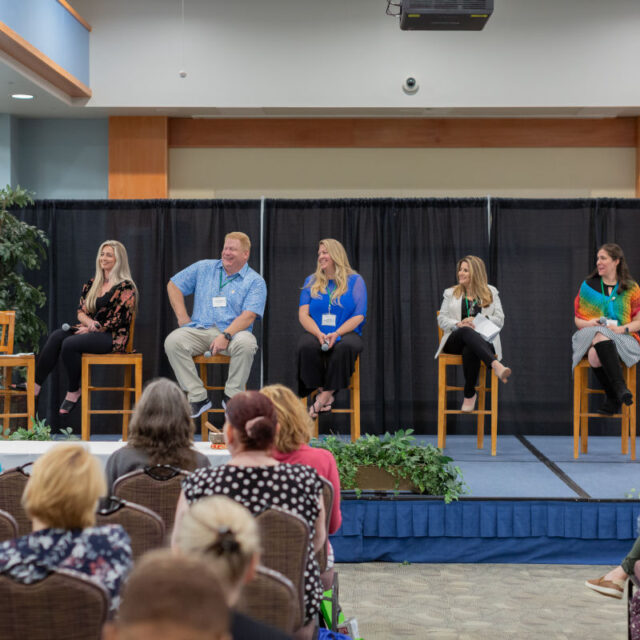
{"x": 460, "y": 305}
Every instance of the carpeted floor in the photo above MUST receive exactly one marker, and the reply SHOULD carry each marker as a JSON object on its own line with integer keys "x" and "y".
{"x": 479, "y": 602}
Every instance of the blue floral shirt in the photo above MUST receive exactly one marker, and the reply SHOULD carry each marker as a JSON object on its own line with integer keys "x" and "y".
{"x": 207, "y": 279}
{"x": 102, "y": 553}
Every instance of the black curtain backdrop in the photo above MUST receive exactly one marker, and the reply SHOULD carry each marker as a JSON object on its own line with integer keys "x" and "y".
{"x": 406, "y": 250}
{"x": 161, "y": 238}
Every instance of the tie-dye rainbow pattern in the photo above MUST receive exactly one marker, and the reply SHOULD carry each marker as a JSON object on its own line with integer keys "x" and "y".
{"x": 590, "y": 303}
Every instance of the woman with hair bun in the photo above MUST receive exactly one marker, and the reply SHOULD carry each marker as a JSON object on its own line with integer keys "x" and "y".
{"x": 255, "y": 479}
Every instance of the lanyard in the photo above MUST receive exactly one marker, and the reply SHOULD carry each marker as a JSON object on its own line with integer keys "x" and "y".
{"x": 608, "y": 298}
{"x": 330, "y": 292}
{"x": 466, "y": 301}
{"x": 222, "y": 286}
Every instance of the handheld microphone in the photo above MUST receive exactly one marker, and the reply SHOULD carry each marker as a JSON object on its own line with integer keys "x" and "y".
{"x": 65, "y": 326}
{"x": 207, "y": 354}
{"x": 603, "y": 321}
{"x": 325, "y": 345}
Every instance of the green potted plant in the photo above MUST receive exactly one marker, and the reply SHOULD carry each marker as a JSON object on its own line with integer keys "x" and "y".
{"x": 22, "y": 246}
{"x": 395, "y": 462}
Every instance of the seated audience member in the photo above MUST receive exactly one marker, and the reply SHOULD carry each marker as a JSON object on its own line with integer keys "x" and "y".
{"x": 169, "y": 597}
{"x": 612, "y": 583}
{"x": 61, "y": 498}
{"x": 228, "y": 297}
{"x": 225, "y": 534}
{"x": 161, "y": 432}
{"x": 292, "y": 443}
{"x": 257, "y": 480}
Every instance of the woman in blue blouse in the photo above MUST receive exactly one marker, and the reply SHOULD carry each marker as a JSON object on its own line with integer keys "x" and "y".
{"x": 333, "y": 308}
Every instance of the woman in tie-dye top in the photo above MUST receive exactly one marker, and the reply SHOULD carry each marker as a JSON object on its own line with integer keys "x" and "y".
{"x": 607, "y": 314}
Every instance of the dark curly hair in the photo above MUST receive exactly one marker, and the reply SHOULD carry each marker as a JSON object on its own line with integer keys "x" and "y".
{"x": 162, "y": 425}
{"x": 254, "y": 419}
{"x": 622, "y": 271}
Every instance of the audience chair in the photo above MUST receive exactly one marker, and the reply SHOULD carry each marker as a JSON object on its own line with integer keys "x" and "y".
{"x": 445, "y": 360}
{"x": 154, "y": 487}
{"x": 322, "y": 556}
{"x": 268, "y": 598}
{"x": 581, "y": 415}
{"x": 8, "y": 526}
{"x": 132, "y": 363}
{"x": 202, "y": 362}
{"x": 12, "y": 484}
{"x": 7, "y": 362}
{"x": 354, "y": 404}
{"x": 66, "y": 604}
{"x": 145, "y": 528}
{"x": 285, "y": 548}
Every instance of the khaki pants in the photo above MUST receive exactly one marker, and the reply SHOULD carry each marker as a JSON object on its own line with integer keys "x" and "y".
{"x": 184, "y": 343}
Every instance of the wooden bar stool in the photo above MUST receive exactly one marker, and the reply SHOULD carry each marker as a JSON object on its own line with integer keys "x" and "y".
{"x": 8, "y": 361}
{"x": 132, "y": 363}
{"x": 581, "y": 415}
{"x": 445, "y": 360}
{"x": 354, "y": 404}
{"x": 202, "y": 362}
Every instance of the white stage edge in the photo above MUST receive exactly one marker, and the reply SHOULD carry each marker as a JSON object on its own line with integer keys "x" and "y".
{"x": 14, "y": 453}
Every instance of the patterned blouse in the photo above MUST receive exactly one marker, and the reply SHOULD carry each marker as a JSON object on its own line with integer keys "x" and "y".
{"x": 294, "y": 487}
{"x": 592, "y": 303}
{"x": 102, "y": 553}
{"x": 115, "y": 315}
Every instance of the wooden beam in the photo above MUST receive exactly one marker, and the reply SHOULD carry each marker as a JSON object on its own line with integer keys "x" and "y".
{"x": 402, "y": 132}
{"x": 26, "y": 54}
{"x": 75, "y": 14}
{"x": 138, "y": 157}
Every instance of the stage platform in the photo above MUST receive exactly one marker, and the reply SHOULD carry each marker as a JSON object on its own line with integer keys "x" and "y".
{"x": 531, "y": 503}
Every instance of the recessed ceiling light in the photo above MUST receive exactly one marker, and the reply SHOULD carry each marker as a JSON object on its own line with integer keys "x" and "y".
{"x": 22, "y": 96}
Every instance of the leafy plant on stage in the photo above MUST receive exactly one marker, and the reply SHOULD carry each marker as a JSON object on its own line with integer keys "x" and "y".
{"x": 426, "y": 468}
{"x": 22, "y": 246}
{"x": 40, "y": 430}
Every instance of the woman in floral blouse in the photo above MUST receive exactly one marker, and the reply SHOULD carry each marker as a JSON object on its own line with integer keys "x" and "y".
{"x": 107, "y": 304}
{"x": 60, "y": 499}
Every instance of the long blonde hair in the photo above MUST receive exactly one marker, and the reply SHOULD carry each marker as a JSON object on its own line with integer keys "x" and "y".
{"x": 477, "y": 281}
{"x": 295, "y": 423}
{"x": 119, "y": 273}
{"x": 342, "y": 271}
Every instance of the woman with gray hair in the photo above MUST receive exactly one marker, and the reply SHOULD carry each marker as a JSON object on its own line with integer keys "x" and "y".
{"x": 161, "y": 432}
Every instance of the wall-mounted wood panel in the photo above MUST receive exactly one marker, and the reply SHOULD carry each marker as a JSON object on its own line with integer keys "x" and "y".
{"x": 138, "y": 157}
{"x": 402, "y": 132}
{"x": 26, "y": 54}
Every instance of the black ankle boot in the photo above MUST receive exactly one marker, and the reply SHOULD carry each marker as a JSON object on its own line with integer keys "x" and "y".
{"x": 608, "y": 355}
{"x": 610, "y": 404}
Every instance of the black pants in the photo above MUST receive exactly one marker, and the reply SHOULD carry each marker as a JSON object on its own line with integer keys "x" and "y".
{"x": 70, "y": 347}
{"x": 327, "y": 369}
{"x": 474, "y": 349}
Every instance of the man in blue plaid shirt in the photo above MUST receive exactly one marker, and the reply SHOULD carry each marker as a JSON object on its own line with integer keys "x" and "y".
{"x": 228, "y": 295}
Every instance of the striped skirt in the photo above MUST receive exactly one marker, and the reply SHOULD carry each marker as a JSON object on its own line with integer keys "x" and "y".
{"x": 627, "y": 346}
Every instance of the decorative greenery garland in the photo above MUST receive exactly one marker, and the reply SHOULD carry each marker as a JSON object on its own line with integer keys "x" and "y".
{"x": 428, "y": 470}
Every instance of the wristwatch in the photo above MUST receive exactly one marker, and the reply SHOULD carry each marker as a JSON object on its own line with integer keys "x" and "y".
{"x": 228, "y": 336}
{"x": 626, "y": 329}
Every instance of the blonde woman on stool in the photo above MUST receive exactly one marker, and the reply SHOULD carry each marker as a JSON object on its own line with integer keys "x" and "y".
{"x": 462, "y": 303}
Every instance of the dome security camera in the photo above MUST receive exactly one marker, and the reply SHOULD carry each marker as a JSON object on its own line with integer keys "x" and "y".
{"x": 410, "y": 85}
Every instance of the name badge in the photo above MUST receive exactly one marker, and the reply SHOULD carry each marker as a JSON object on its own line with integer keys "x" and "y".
{"x": 329, "y": 319}
{"x": 219, "y": 301}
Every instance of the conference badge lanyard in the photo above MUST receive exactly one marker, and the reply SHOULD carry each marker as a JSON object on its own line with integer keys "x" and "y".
{"x": 608, "y": 305}
{"x": 221, "y": 301}
{"x": 329, "y": 319}
{"x": 473, "y": 303}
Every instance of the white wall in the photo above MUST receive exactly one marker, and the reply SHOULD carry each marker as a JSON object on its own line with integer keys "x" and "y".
{"x": 348, "y": 53}
{"x": 325, "y": 173}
